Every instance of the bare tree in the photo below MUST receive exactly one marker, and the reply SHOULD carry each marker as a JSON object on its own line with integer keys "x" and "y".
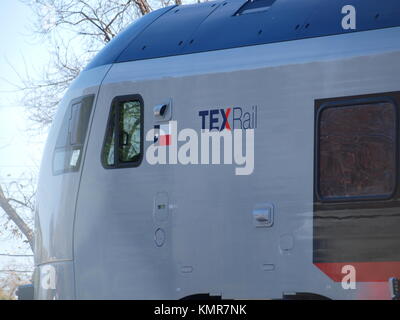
{"x": 10, "y": 283}
{"x": 74, "y": 30}
{"x": 17, "y": 199}
{"x": 42, "y": 91}
{"x": 99, "y": 20}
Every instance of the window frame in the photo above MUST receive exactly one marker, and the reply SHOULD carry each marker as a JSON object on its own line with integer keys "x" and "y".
{"x": 115, "y": 120}
{"x": 73, "y": 147}
{"x": 322, "y": 105}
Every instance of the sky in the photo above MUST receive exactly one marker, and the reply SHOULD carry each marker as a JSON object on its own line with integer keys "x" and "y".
{"x": 20, "y": 149}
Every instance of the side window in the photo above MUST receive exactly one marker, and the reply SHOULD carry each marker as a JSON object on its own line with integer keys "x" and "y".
{"x": 71, "y": 138}
{"x": 123, "y": 143}
{"x": 356, "y": 150}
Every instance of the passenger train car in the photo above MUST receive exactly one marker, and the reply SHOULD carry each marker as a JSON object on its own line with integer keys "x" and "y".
{"x": 309, "y": 205}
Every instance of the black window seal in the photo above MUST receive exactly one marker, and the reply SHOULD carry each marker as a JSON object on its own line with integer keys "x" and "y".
{"x": 320, "y": 107}
{"x": 115, "y": 119}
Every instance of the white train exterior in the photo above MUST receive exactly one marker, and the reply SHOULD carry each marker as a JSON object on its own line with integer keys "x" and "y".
{"x": 321, "y": 203}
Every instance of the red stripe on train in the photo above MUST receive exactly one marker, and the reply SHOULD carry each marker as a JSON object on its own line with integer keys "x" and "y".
{"x": 365, "y": 271}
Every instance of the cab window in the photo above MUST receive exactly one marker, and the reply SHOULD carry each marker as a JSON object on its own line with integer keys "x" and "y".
{"x": 123, "y": 143}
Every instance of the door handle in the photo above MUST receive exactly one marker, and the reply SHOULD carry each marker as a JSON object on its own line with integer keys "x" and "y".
{"x": 263, "y": 216}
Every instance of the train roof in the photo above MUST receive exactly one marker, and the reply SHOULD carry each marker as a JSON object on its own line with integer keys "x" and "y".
{"x": 208, "y": 26}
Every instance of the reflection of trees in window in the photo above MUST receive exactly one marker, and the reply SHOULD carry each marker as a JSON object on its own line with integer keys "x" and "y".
{"x": 130, "y": 131}
{"x": 108, "y": 151}
{"x": 109, "y": 145}
{"x": 357, "y": 150}
{"x": 128, "y": 115}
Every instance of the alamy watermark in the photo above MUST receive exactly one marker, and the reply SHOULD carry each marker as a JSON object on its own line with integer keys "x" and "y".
{"x": 187, "y": 147}
{"x": 349, "y": 20}
{"x": 349, "y": 278}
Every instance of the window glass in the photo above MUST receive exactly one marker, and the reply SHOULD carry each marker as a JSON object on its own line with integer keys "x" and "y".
{"x": 128, "y": 134}
{"x": 80, "y": 114}
{"x": 357, "y": 151}
{"x": 71, "y": 138}
{"x": 108, "y": 150}
{"x": 130, "y": 131}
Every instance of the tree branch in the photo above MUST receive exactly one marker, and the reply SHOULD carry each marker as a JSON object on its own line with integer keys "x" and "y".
{"x": 14, "y": 216}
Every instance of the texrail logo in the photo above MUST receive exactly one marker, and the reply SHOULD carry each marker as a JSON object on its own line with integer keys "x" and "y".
{"x": 225, "y": 136}
{"x": 219, "y": 119}
{"x": 213, "y": 116}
